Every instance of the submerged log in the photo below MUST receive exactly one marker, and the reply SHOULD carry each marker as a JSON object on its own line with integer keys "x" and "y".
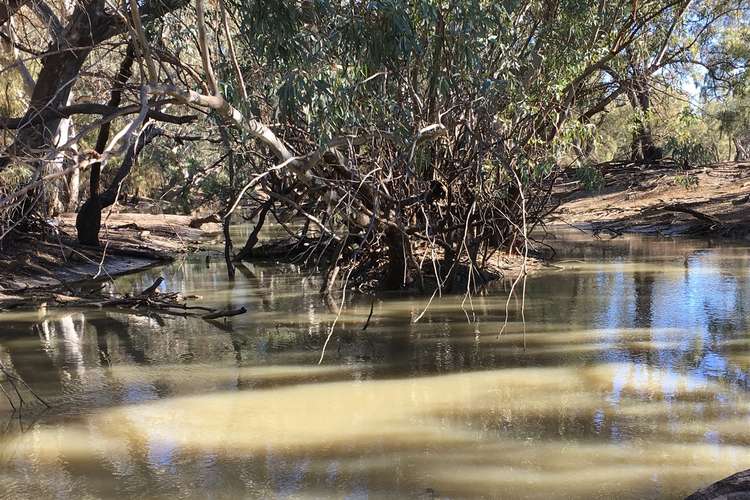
{"x": 735, "y": 487}
{"x": 226, "y": 313}
{"x": 152, "y": 289}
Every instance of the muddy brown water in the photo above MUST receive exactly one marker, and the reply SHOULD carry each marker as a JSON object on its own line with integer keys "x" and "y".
{"x": 631, "y": 381}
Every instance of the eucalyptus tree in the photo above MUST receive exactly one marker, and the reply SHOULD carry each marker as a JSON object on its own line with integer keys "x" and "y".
{"x": 672, "y": 50}
{"x": 495, "y": 86}
{"x": 70, "y": 37}
{"x": 415, "y": 139}
{"x": 726, "y": 67}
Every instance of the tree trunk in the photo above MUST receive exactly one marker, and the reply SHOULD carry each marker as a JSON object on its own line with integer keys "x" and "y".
{"x": 64, "y": 195}
{"x": 88, "y": 220}
{"x": 74, "y": 188}
{"x": 642, "y": 147}
{"x": 228, "y": 247}
{"x": 395, "y": 277}
{"x": 741, "y": 153}
{"x": 89, "y": 26}
{"x": 252, "y": 239}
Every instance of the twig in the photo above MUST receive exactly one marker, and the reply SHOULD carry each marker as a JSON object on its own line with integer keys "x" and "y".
{"x": 226, "y": 313}
{"x": 372, "y": 308}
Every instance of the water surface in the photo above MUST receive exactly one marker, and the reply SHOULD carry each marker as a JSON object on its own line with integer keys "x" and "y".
{"x": 630, "y": 381}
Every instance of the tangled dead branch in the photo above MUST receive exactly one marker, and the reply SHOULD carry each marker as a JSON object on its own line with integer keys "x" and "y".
{"x": 18, "y": 386}
{"x": 150, "y": 300}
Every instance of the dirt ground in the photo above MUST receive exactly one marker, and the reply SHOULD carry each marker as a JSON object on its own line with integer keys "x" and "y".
{"x": 130, "y": 242}
{"x": 163, "y": 232}
{"x": 667, "y": 200}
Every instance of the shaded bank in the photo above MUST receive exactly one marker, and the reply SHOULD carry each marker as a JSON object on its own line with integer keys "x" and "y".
{"x": 130, "y": 243}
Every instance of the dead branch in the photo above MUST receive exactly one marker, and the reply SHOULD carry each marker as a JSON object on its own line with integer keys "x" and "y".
{"x": 148, "y": 292}
{"x": 225, "y": 313}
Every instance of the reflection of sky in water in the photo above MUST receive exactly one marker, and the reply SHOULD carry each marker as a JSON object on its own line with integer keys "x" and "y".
{"x": 707, "y": 305}
{"x": 138, "y": 393}
{"x": 688, "y": 314}
{"x": 286, "y": 477}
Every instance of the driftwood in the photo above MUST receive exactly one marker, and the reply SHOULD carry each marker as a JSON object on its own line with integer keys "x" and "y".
{"x": 149, "y": 300}
{"x": 736, "y": 487}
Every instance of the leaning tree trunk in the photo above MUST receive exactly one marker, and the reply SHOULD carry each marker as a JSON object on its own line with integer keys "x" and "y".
{"x": 252, "y": 239}
{"x": 89, "y": 25}
{"x": 89, "y": 218}
{"x": 61, "y": 64}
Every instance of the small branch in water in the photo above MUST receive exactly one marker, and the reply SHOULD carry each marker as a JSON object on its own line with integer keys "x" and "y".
{"x": 14, "y": 382}
{"x": 369, "y": 316}
{"x": 226, "y": 313}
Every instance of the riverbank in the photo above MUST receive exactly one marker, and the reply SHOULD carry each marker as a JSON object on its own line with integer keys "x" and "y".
{"x": 130, "y": 242}
{"x": 665, "y": 200}
{"x": 133, "y": 242}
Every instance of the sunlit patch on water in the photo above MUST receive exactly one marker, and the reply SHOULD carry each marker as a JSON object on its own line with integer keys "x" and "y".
{"x": 629, "y": 381}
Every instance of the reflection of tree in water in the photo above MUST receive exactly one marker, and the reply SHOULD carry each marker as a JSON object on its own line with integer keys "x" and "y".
{"x": 29, "y": 359}
{"x": 643, "y": 289}
{"x": 287, "y": 325}
{"x": 110, "y": 325}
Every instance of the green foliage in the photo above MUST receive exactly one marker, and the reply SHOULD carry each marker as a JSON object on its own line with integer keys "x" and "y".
{"x": 343, "y": 67}
{"x": 688, "y": 140}
{"x": 690, "y": 151}
{"x": 686, "y": 181}
{"x": 590, "y": 177}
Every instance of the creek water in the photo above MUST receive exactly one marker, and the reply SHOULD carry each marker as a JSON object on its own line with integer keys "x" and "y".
{"x": 628, "y": 380}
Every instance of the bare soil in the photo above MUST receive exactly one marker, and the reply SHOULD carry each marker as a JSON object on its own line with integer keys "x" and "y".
{"x": 130, "y": 242}
{"x": 712, "y": 200}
